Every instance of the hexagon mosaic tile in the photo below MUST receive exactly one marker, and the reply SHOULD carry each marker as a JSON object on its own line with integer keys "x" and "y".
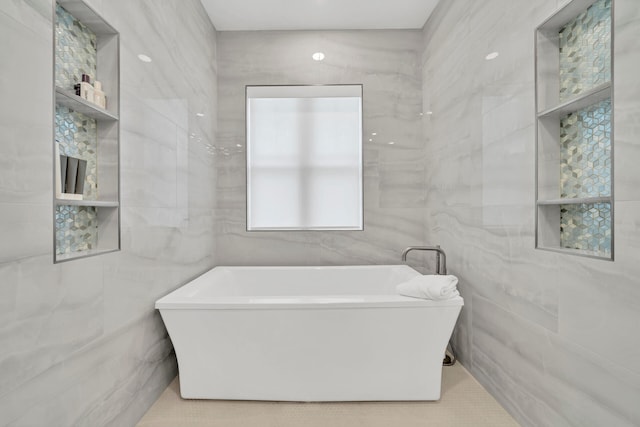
{"x": 585, "y": 152}
{"x": 76, "y": 229}
{"x": 586, "y": 227}
{"x": 585, "y": 53}
{"x": 76, "y": 50}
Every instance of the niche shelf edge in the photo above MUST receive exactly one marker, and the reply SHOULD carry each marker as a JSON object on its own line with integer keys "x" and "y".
{"x": 71, "y": 100}
{"x": 585, "y": 99}
{"x": 88, "y": 203}
{"x": 576, "y": 201}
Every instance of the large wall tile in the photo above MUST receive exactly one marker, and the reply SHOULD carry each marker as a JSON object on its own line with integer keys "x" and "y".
{"x": 26, "y": 111}
{"x": 52, "y": 316}
{"x": 594, "y": 393}
{"x": 27, "y": 230}
{"x": 110, "y": 382}
{"x": 387, "y": 64}
{"x": 25, "y": 175}
{"x": 35, "y": 15}
{"x": 149, "y": 158}
{"x": 627, "y": 107}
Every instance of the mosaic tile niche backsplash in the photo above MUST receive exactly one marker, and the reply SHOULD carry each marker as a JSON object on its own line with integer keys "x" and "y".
{"x": 585, "y": 171}
{"x": 586, "y": 227}
{"x": 76, "y": 50}
{"x": 585, "y": 152}
{"x": 76, "y": 229}
{"x": 585, "y": 135}
{"x": 76, "y": 136}
{"x": 585, "y": 53}
{"x": 75, "y": 133}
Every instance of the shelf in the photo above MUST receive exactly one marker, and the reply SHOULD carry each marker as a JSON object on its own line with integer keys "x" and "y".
{"x": 579, "y": 252}
{"x": 88, "y": 17}
{"x": 575, "y": 201}
{"x": 585, "y": 99}
{"x": 71, "y": 100}
{"x": 560, "y": 18}
{"x": 83, "y": 254}
{"x": 89, "y": 203}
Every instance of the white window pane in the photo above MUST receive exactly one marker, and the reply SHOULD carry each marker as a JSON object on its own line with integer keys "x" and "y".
{"x": 304, "y": 157}
{"x": 277, "y": 198}
{"x": 331, "y": 195}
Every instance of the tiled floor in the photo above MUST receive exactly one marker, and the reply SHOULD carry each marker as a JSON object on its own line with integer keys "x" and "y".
{"x": 464, "y": 403}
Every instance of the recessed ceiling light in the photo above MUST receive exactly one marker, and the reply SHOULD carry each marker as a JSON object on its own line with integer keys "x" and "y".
{"x": 391, "y": 142}
{"x": 428, "y": 113}
{"x": 144, "y": 58}
{"x": 200, "y": 114}
{"x": 374, "y": 133}
{"x": 370, "y": 139}
{"x": 238, "y": 145}
{"x": 492, "y": 55}
{"x": 318, "y": 56}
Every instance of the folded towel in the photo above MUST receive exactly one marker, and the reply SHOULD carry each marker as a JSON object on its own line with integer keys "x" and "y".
{"x": 433, "y": 287}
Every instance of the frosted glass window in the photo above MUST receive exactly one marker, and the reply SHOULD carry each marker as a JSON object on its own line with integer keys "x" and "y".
{"x": 304, "y": 157}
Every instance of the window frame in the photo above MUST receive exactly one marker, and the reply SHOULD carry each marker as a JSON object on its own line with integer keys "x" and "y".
{"x": 360, "y": 227}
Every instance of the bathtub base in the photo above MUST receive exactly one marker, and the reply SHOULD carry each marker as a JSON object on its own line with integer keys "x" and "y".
{"x": 311, "y": 355}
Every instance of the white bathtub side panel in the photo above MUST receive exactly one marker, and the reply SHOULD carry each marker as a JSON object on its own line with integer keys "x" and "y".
{"x": 311, "y": 355}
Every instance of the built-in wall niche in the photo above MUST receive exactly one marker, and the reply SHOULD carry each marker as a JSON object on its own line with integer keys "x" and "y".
{"x": 86, "y": 133}
{"x": 574, "y": 115}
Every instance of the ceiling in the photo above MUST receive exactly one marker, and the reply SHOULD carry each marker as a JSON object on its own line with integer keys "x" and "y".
{"x": 251, "y": 15}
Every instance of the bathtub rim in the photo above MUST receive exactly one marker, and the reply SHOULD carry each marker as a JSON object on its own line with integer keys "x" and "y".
{"x": 177, "y": 300}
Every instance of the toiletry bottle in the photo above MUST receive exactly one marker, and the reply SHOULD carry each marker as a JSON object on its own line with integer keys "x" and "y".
{"x": 99, "y": 97}
{"x": 76, "y": 86}
{"x": 86, "y": 90}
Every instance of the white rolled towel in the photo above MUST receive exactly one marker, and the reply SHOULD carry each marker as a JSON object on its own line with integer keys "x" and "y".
{"x": 433, "y": 287}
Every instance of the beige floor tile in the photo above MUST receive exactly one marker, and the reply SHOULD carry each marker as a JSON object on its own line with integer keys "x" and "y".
{"x": 464, "y": 403}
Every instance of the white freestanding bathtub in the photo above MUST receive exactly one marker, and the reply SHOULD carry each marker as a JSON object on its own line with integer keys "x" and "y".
{"x": 307, "y": 334}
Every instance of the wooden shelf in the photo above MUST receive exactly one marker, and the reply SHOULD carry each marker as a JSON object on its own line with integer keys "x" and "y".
{"x": 575, "y": 201}
{"x": 71, "y": 100}
{"x": 90, "y": 203}
{"x": 585, "y": 99}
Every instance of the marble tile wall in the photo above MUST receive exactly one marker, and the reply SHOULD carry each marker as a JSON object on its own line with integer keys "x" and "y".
{"x": 387, "y": 63}
{"x": 80, "y": 342}
{"x": 552, "y": 336}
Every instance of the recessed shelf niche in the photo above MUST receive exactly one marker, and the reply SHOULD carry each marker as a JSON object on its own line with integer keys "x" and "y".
{"x": 85, "y": 224}
{"x": 574, "y": 132}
